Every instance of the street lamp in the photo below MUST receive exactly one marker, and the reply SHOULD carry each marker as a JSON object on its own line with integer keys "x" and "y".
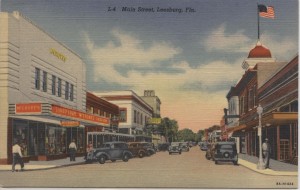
{"x": 260, "y": 164}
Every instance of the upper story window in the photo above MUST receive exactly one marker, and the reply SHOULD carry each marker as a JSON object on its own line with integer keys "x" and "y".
{"x": 53, "y": 85}
{"x": 37, "y": 78}
{"x": 59, "y": 87}
{"x": 134, "y": 116}
{"x": 72, "y": 92}
{"x": 67, "y": 91}
{"x": 250, "y": 99}
{"x": 242, "y": 104}
{"x": 141, "y": 119}
{"x": 123, "y": 115}
{"x": 44, "y": 81}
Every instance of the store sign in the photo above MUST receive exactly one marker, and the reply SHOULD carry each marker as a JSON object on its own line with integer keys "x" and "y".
{"x": 154, "y": 120}
{"x": 62, "y": 111}
{"x": 58, "y": 55}
{"x": 28, "y": 108}
{"x": 69, "y": 123}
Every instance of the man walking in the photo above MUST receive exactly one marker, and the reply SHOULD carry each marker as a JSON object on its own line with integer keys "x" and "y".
{"x": 72, "y": 149}
{"x": 17, "y": 156}
{"x": 266, "y": 149}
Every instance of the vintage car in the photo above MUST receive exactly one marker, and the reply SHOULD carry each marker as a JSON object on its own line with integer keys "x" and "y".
{"x": 149, "y": 147}
{"x": 163, "y": 147}
{"x": 204, "y": 146}
{"x": 174, "y": 148}
{"x": 225, "y": 152}
{"x": 137, "y": 149}
{"x": 184, "y": 146}
{"x": 109, "y": 151}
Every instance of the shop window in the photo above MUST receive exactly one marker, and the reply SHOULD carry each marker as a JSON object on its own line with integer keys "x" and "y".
{"x": 33, "y": 139}
{"x": 67, "y": 91}
{"x": 59, "y": 87}
{"x": 37, "y": 78}
{"x": 20, "y": 133}
{"x": 41, "y": 138}
{"x": 53, "y": 85}
{"x": 50, "y": 144}
{"x": 44, "y": 81}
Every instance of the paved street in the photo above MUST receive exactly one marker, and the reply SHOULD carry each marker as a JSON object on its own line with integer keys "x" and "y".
{"x": 190, "y": 169}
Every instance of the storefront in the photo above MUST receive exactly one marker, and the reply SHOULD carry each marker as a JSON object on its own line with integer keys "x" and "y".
{"x": 44, "y": 130}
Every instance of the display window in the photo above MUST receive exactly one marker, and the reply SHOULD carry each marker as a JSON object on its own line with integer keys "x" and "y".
{"x": 20, "y": 133}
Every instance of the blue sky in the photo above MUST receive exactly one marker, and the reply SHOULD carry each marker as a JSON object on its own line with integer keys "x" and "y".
{"x": 189, "y": 59}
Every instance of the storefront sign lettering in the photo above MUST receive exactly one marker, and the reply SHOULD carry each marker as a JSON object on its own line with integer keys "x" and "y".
{"x": 69, "y": 123}
{"x": 28, "y": 108}
{"x": 58, "y": 55}
{"x": 79, "y": 115}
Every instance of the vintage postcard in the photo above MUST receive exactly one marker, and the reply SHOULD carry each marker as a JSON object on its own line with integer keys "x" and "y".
{"x": 199, "y": 94}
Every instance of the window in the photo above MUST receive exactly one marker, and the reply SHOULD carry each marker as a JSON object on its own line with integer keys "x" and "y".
{"x": 242, "y": 105}
{"x": 123, "y": 115}
{"x": 72, "y": 92}
{"x": 250, "y": 99}
{"x": 59, "y": 87}
{"x": 37, "y": 78}
{"x": 134, "y": 116}
{"x": 53, "y": 85}
{"x": 141, "y": 120}
{"x": 67, "y": 91}
{"x": 44, "y": 81}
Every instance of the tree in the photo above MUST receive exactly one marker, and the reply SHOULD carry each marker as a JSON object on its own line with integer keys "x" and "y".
{"x": 186, "y": 135}
{"x": 169, "y": 128}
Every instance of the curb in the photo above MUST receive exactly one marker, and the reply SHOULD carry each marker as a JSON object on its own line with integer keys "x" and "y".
{"x": 40, "y": 167}
{"x": 252, "y": 167}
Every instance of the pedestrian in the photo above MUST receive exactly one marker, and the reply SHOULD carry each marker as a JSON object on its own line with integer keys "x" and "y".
{"x": 266, "y": 149}
{"x": 17, "y": 156}
{"x": 72, "y": 150}
{"x": 89, "y": 148}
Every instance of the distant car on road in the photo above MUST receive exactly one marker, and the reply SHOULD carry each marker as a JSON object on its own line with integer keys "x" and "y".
{"x": 204, "y": 146}
{"x": 163, "y": 147}
{"x": 174, "y": 148}
{"x": 110, "y": 151}
{"x": 137, "y": 149}
{"x": 184, "y": 146}
{"x": 225, "y": 152}
{"x": 150, "y": 148}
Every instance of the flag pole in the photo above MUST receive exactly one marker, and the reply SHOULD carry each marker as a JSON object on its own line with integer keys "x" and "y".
{"x": 258, "y": 34}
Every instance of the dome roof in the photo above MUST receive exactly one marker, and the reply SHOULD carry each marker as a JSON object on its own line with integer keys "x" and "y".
{"x": 259, "y": 51}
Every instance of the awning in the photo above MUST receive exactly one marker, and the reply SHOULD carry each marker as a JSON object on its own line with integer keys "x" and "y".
{"x": 280, "y": 118}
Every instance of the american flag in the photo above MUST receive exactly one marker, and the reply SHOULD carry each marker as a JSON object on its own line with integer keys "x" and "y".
{"x": 269, "y": 13}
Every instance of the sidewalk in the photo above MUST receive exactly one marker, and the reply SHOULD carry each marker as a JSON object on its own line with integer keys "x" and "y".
{"x": 277, "y": 168}
{"x": 42, "y": 165}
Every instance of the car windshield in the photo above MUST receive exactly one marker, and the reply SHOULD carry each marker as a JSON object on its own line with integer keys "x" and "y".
{"x": 226, "y": 146}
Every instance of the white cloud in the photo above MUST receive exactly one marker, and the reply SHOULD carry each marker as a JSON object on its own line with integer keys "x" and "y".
{"x": 219, "y": 40}
{"x": 193, "y": 109}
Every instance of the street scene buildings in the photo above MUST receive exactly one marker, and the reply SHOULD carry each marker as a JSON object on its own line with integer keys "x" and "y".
{"x": 46, "y": 104}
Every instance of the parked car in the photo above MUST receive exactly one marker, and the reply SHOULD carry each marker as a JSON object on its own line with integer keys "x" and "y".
{"x": 204, "y": 146}
{"x": 174, "y": 148}
{"x": 137, "y": 149}
{"x": 225, "y": 152}
{"x": 149, "y": 147}
{"x": 163, "y": 147}
{"x": 210, "y": 152}
{"x": 184, "y": 146}
{"x": 110, "y": 151}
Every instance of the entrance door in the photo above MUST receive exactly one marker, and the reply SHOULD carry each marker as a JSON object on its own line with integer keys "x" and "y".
{"x": 284, "y": 150}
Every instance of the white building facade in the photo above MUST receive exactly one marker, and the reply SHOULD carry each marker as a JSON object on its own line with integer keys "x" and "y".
{"x": 43, "y": 92}
{"x": 134, "y": 111}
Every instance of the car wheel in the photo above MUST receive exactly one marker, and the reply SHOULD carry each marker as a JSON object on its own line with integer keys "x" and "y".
{"x": 125, "y": 158}
{"x": 141, "y": 154}
{"x": 216, "y": 162}
{"x": 102, "y": 159}
{"x": 207, "y": 157}
{"x": 113, "y": 160}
